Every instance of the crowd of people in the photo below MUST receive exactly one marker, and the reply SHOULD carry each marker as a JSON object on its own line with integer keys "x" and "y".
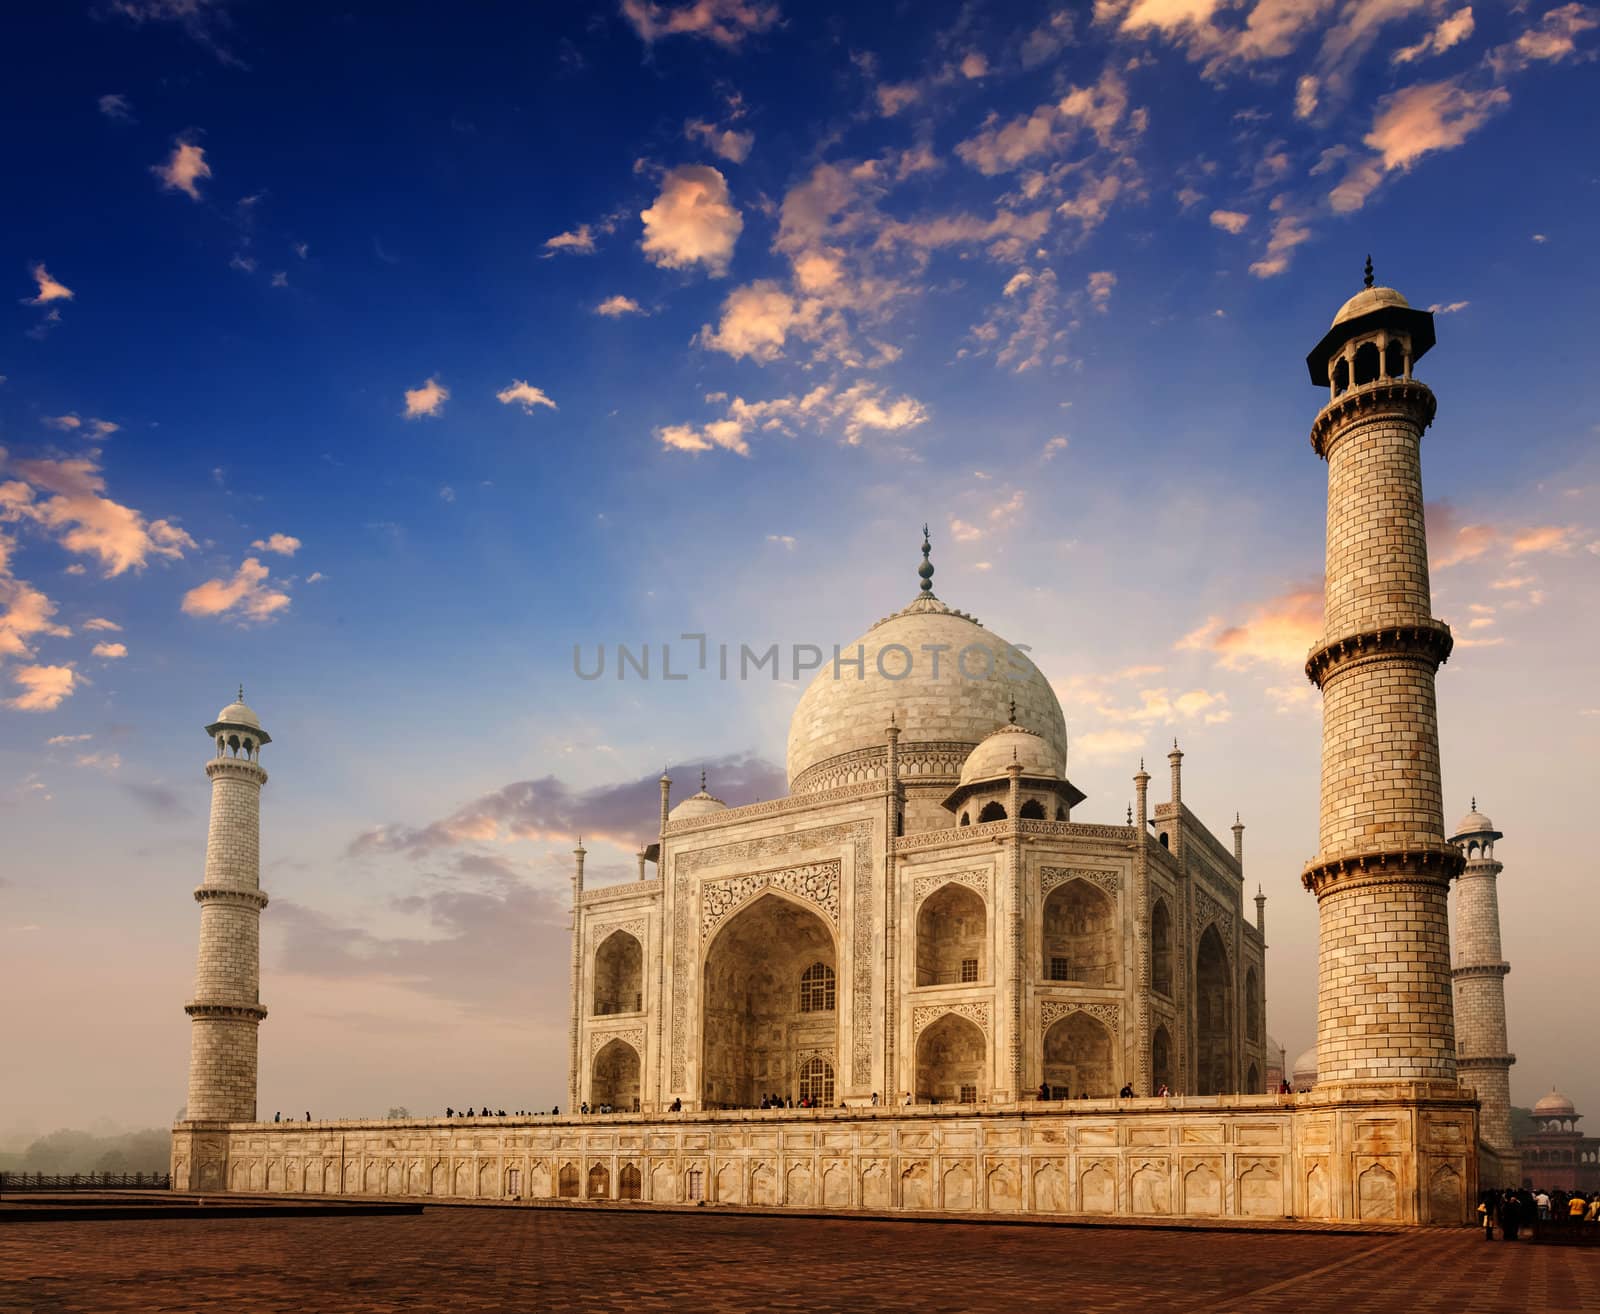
{"x": 1518, "y": 1211}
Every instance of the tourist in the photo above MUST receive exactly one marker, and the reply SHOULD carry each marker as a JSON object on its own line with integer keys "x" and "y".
{"x": 1510, "y": 1215}
{"x": 1165, "y": 1090}
{"x": 874, "y": 1099}
{"x": 556, "y": 1111}
{"x": 908, "y": 1099}
{"x": 677, "y": 1105}
{"x": 1044, "y": 1090}
{"x": 308, "y": 1115}
{"x": 1126, "y": 1093}
{"x": 449, "y": 1112}
{"x": 1542, "y": 1200}
{"x": 1575, "y": 1208}
{"x": 1486, "y": 1213}
{"x": 277, "y": 1117}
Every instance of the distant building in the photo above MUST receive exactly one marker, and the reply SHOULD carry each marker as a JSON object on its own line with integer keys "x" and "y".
{"x": 1556, "y": 1155}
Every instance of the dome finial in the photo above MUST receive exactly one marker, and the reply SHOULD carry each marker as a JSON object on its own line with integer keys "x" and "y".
{"x": 1474, "y": 802}
{"x": 925, "y": 570}
{"x": 1012, "y": 719}
{"x": 702, "y": 780}
{"x": 241, "y": 691}
{"x": 1366, "y": 280}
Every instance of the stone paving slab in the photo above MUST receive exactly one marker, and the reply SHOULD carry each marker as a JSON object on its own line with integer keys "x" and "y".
{"x": 458, "y": 1259}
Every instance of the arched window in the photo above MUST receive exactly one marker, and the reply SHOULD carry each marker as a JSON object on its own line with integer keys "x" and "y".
{"x": 1394, "y": 359}
{"x": 1160, "y": 1060}
{"x": 1252, "y": 1081}
{"x": 1032, "y": 810}
{"x": 1061, "y": 812}
{"x": 1165, "y": 843}
{"x": 816, "y": 1082}
{"x": 1252, "y": 1007}
{"x": 992, "y": 812}
{"x": 1366, "y": 363}
{"x": 966, "y": 819}
{"x": 619, "y": 975}
{"x": 1161, "y": 949}
{"x": 1341, "y": 376}
{"x": 817, "y": 986}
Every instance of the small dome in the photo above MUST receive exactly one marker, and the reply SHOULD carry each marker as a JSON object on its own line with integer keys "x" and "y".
{"x": 993, "y": 756}
{"x": 1554, "y": 1105}
{"x": 1304, "y": 1071}
{"x": 697, "y": 805}
{"x": 238, "y": 714}
{"x": 1366, "y": 301}
{"x": 1474, "y": 823}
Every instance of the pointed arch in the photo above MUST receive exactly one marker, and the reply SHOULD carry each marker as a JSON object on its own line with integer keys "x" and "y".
{"x": 1213, "y": 1013}
{"x": 1161, "y": 948}
{"x": 614, "y": 1076}
{"x": 619, "y": 974}
{"x": 952, "y": 1062}
{"x": 952, "y": 936}
{"x": 1079, "y": 939}
{"x": 1079, "y": 1057}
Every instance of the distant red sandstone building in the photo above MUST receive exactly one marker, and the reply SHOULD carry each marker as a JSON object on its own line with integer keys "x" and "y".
{"x": 1557, "y": 1156}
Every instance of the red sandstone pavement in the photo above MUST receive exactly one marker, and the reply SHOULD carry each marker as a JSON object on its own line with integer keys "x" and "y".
{"x": 452, "y": 1259}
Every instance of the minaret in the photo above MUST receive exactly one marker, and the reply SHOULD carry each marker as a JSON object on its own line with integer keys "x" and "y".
{"x": 574, "y": 1068}
{"x": 225, "y": 1012}
{"x": 1383, "y": 867}
{"x": 1482, "y": 1052}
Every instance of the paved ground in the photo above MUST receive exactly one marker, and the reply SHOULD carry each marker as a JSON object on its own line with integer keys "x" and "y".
{"x": 503, "y": 1259}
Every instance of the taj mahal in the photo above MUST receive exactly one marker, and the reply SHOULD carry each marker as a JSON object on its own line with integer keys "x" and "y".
{"x": 928, "y": 978}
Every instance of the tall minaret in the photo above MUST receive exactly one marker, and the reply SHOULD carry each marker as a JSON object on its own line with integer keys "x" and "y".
{"x": 226, "y": 1010}
{"x": 1481, "y": 1047}
{"x": 1383, "y": 868}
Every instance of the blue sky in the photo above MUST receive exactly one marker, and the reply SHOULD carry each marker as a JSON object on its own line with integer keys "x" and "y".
{"x": 376, "y": 357}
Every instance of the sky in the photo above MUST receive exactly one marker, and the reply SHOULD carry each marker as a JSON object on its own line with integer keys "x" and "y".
{"x": 377, "y": 357}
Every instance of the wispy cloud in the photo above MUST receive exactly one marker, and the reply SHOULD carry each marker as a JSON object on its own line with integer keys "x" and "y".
{"x": 524, "y": 394}
{"x": 1279, "y": 631}
{"x": 726, "y": 22}
{"x": 614, "y": 307}
{"x": 50, "y": 289}
{"x": 579, "y": 241}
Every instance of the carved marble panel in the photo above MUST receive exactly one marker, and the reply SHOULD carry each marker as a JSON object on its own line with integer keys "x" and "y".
{"x": 926, "y": 885}
{"x": 925, "y": 1015}
{"x": 817, "y": 883}
{"x": 1052, "y": 1011}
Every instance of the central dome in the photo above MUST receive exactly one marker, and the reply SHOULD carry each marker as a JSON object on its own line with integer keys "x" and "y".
{"x": 955, "y": 709}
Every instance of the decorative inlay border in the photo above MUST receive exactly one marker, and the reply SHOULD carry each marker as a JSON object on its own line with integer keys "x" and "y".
{"x": 1052, "y": 1011}
{"x": 685, "y": 945}
{"x": 1108, "y": 880}
{"x": 634, "y": 1036}
{"x": 817, "y": 883}
{"x": 930, "y": 762}
{"x": 600, "y": 931}
{"x": 793, "y": 802}
{"x": 925, "y": 1015}
{"x": 926, "y": 885}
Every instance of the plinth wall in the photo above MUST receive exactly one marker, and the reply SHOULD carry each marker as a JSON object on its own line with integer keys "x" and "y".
{"x": 1403, "y": 1153}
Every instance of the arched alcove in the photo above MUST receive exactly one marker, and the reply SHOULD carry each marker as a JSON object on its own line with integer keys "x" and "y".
{"x": 952, "y": 937}
{"x": 1079, "y": 1057}
{"x": 1161, "y": 949}
{"x": 1367, "y": 364}
{"x": 1161, "y": 1059}
{"x": 952, "y": 1062}
{"x": 756, "y": 1021}
{"x": 1079, "y": 935}
{"x": 992, "y": 812}
{"x": 1032, "y": 810}
{"x": 615, "y": 1077}
{"x": 619, "y": 974}
{"x": 1213, "y": 1016}
{"x": 1252, "y": 1006}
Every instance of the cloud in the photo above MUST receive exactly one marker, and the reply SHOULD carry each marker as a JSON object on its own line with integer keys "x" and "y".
{"x": 82, "y": 518}
{"x": 974, "y": 65}
{"x": 1431, "y": 116}
{"x": 1552, "y": 40}
{"x": 1230, "y": 221}
{"x": 1057, "y": 444}
{"x": 692, "y": 221}
{"x": 548, "y": 809}
{"x": 184, "y": 169}
{"x": 1100, "y": 285}
{"x": 619, "y": 305}
{"x": 247, "y": 594}
{"x": 25, "y": 614}
{"x": 280, "y": 279}
{"x": 523, "y": 393}
{"x": 428, "y": 400}
{"x": 101, "y": 623}
{"x": 1107, "y": 743}
{"x": 115, "y": 106}
{"x": 580, "y": 241}
{"x": 49, "y": 289}
{"x": 1289, "y": 230}
{"x": 1305, "y": 96}
{"x": 962, "y": 532}
{"x": 756, "y": 320}
{"x": 1279, "y": 631}
{"x": 727, "y": 22}
{"x": 859, "y": 410}
{"x": 44, "y": 688}
{"x": 1451, "y": 31}
{"x": 202, "y": 21}
{"x": 1050, "y": 129}
{"x": 786, "y": 541}
{"x": 285, "y": 545}
{"x": 60, "y": 741}
{"x": 160, "y": 801}
{"x": 729, "y": 143}
{"x": 1451, "y": 308}
{"x": 109, "y": 651}
{"x": 892, "y": 97}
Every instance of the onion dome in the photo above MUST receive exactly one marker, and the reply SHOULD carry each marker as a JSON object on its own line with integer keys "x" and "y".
{"x": 1304, "y": 1072}
{"x": 992, "y": 759}
{"x": 944, "y": 679}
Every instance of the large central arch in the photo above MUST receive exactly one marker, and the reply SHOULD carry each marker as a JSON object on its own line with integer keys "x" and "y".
{"x": 770, "y": 1002}
{"x": 1213, "y": 1014}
